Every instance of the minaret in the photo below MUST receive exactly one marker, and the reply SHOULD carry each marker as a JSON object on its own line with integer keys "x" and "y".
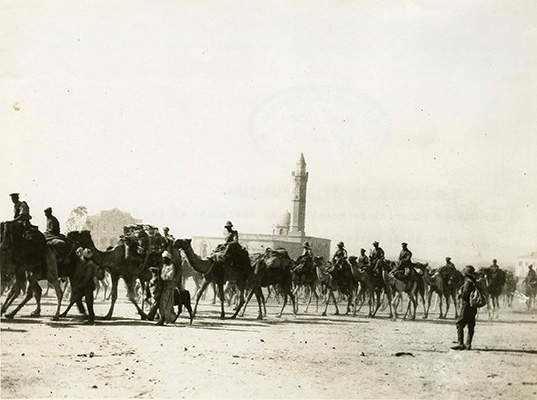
{"x": 298, "y": 219}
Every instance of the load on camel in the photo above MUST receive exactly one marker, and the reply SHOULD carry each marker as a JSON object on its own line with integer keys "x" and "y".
{"x": 231, "y": 266}
{"x": 272, "y": 268}
{"x": 24, "y": 253}
{"x": 130, "y": 259}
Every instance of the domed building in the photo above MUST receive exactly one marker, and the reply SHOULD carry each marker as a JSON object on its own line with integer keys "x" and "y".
{"x": 288, "y": 232}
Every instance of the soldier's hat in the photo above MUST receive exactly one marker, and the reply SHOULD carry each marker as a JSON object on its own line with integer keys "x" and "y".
{"x": 362, "y": 250}
{"x": 448, "y": 258}
{"x": 306, "y": 245}
{"x": 530, "y": 266}
{"x": 49, "y": 209}
{"x": 14, "y": 194}
{"x": 228, "y": 223}
{"x": 341, "y": 244}
{"x": 469, "y": 270}
{"x": 404, "y": 244}
{"x": 375, "y": 243}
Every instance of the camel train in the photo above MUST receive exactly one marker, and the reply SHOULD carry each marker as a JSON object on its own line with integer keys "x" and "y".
{"x": 26, "y": 259}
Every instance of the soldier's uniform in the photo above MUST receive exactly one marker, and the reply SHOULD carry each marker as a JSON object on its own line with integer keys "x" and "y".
{"x": 53, "y": 225}
{"x": 405, "y": 259}
{"x": 339, "y": 256}
{"x": 468, "y": 313}
{"x": 21, "y": 210}
{"x": 305, "y": 260}
{"x": 363, "y": 260}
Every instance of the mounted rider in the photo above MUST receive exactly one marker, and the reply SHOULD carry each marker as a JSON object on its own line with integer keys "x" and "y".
{"x": 52, "y": 230}
{"x": 363, "y": 260}
{"x": 405, "y": 262}
{"x": 339, "y": 258}
{"x": 449, "y": 271}
{"x": 21, "y": 212}
{"x": 305, "y": 261}
{"x": 168, "y": 237}
{"x": 376, "y": 255}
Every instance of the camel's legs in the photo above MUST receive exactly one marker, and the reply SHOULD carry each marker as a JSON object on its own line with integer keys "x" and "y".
{"x": 246, "y": 302}
{"x": 115, "y": 280}
{"x": 222, "y": 300}
{"x": 15, "y": 291}
{"x": 447, "y": 305}
{"x": 37, "y": 293}
{"x": 335, "y": 303}
{"x": 240, "y": 286}
{"x": 97, "y": 286}
{"x": 455, "y": 304}
{"x": 199, "y": 293}
{"x": 327, "y": 301}
{"x": 132, "y": 296}
{"x": 378, "y": 294}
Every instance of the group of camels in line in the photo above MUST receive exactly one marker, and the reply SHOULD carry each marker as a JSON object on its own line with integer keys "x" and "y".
{"x": 21, "y": 255}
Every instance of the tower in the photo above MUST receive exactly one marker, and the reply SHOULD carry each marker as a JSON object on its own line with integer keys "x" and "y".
{"x": 300, "y": 176}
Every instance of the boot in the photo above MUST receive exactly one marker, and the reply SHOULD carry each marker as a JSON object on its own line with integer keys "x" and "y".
{"x": 469, "y": 339}
{"x": 460, "y": 337}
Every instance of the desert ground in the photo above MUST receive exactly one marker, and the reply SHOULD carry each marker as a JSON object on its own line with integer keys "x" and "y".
{"x": 307, "y": 356}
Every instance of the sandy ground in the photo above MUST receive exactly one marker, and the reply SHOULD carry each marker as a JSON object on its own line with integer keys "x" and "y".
{"x": 307, "y": 356}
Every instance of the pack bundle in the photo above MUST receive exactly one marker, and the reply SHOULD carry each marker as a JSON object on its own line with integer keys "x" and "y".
{"x": 143, "y": 238}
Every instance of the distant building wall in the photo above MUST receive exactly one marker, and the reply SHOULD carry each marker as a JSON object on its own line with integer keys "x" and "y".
{"x": 107, "y": 226}
{"x": 521, "y": 266}
{"x": 258, "y": 243}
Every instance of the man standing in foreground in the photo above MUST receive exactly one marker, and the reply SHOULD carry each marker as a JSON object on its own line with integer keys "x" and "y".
{"x": 468, "y": 313}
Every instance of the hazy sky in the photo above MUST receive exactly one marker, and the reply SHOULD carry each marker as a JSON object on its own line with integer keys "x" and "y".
{"x": 417, "y": 119}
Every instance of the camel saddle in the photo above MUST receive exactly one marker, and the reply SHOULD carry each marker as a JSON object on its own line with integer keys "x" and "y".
{"x": 20, "y": 245}
{"x": 283, "y": 255}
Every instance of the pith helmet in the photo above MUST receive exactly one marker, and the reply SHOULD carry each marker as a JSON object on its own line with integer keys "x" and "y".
{"x": 341, "y": 244}
{"x": 404, "y": 244}
{"x": 48, "y": 209}
{"x": 228, "y": 224}
{"x": 306, "y": 245}
{"x": 448, "y": 258}
{"x": 375, "y": 243}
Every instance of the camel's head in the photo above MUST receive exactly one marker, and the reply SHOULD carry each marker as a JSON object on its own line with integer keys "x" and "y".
{"x": 183, "y": 244}
{"x": 82, "y": 237}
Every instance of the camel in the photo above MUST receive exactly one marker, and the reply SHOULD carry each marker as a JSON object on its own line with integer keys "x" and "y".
{"x": 340, "y": 279}
{"x": 411, "y": 288}
{"x": 439, "y": 285}
{"x": 306, "y": 278}
{"x": 233, "y": 267}
{"x": 509, "y": 289}
{"x": 369, "y": 282}
{"x": 115, "y": 263}
{"x": 20, "y": 254}
{"x": 273, "y": 269}
{"x": 495, "y": 280}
